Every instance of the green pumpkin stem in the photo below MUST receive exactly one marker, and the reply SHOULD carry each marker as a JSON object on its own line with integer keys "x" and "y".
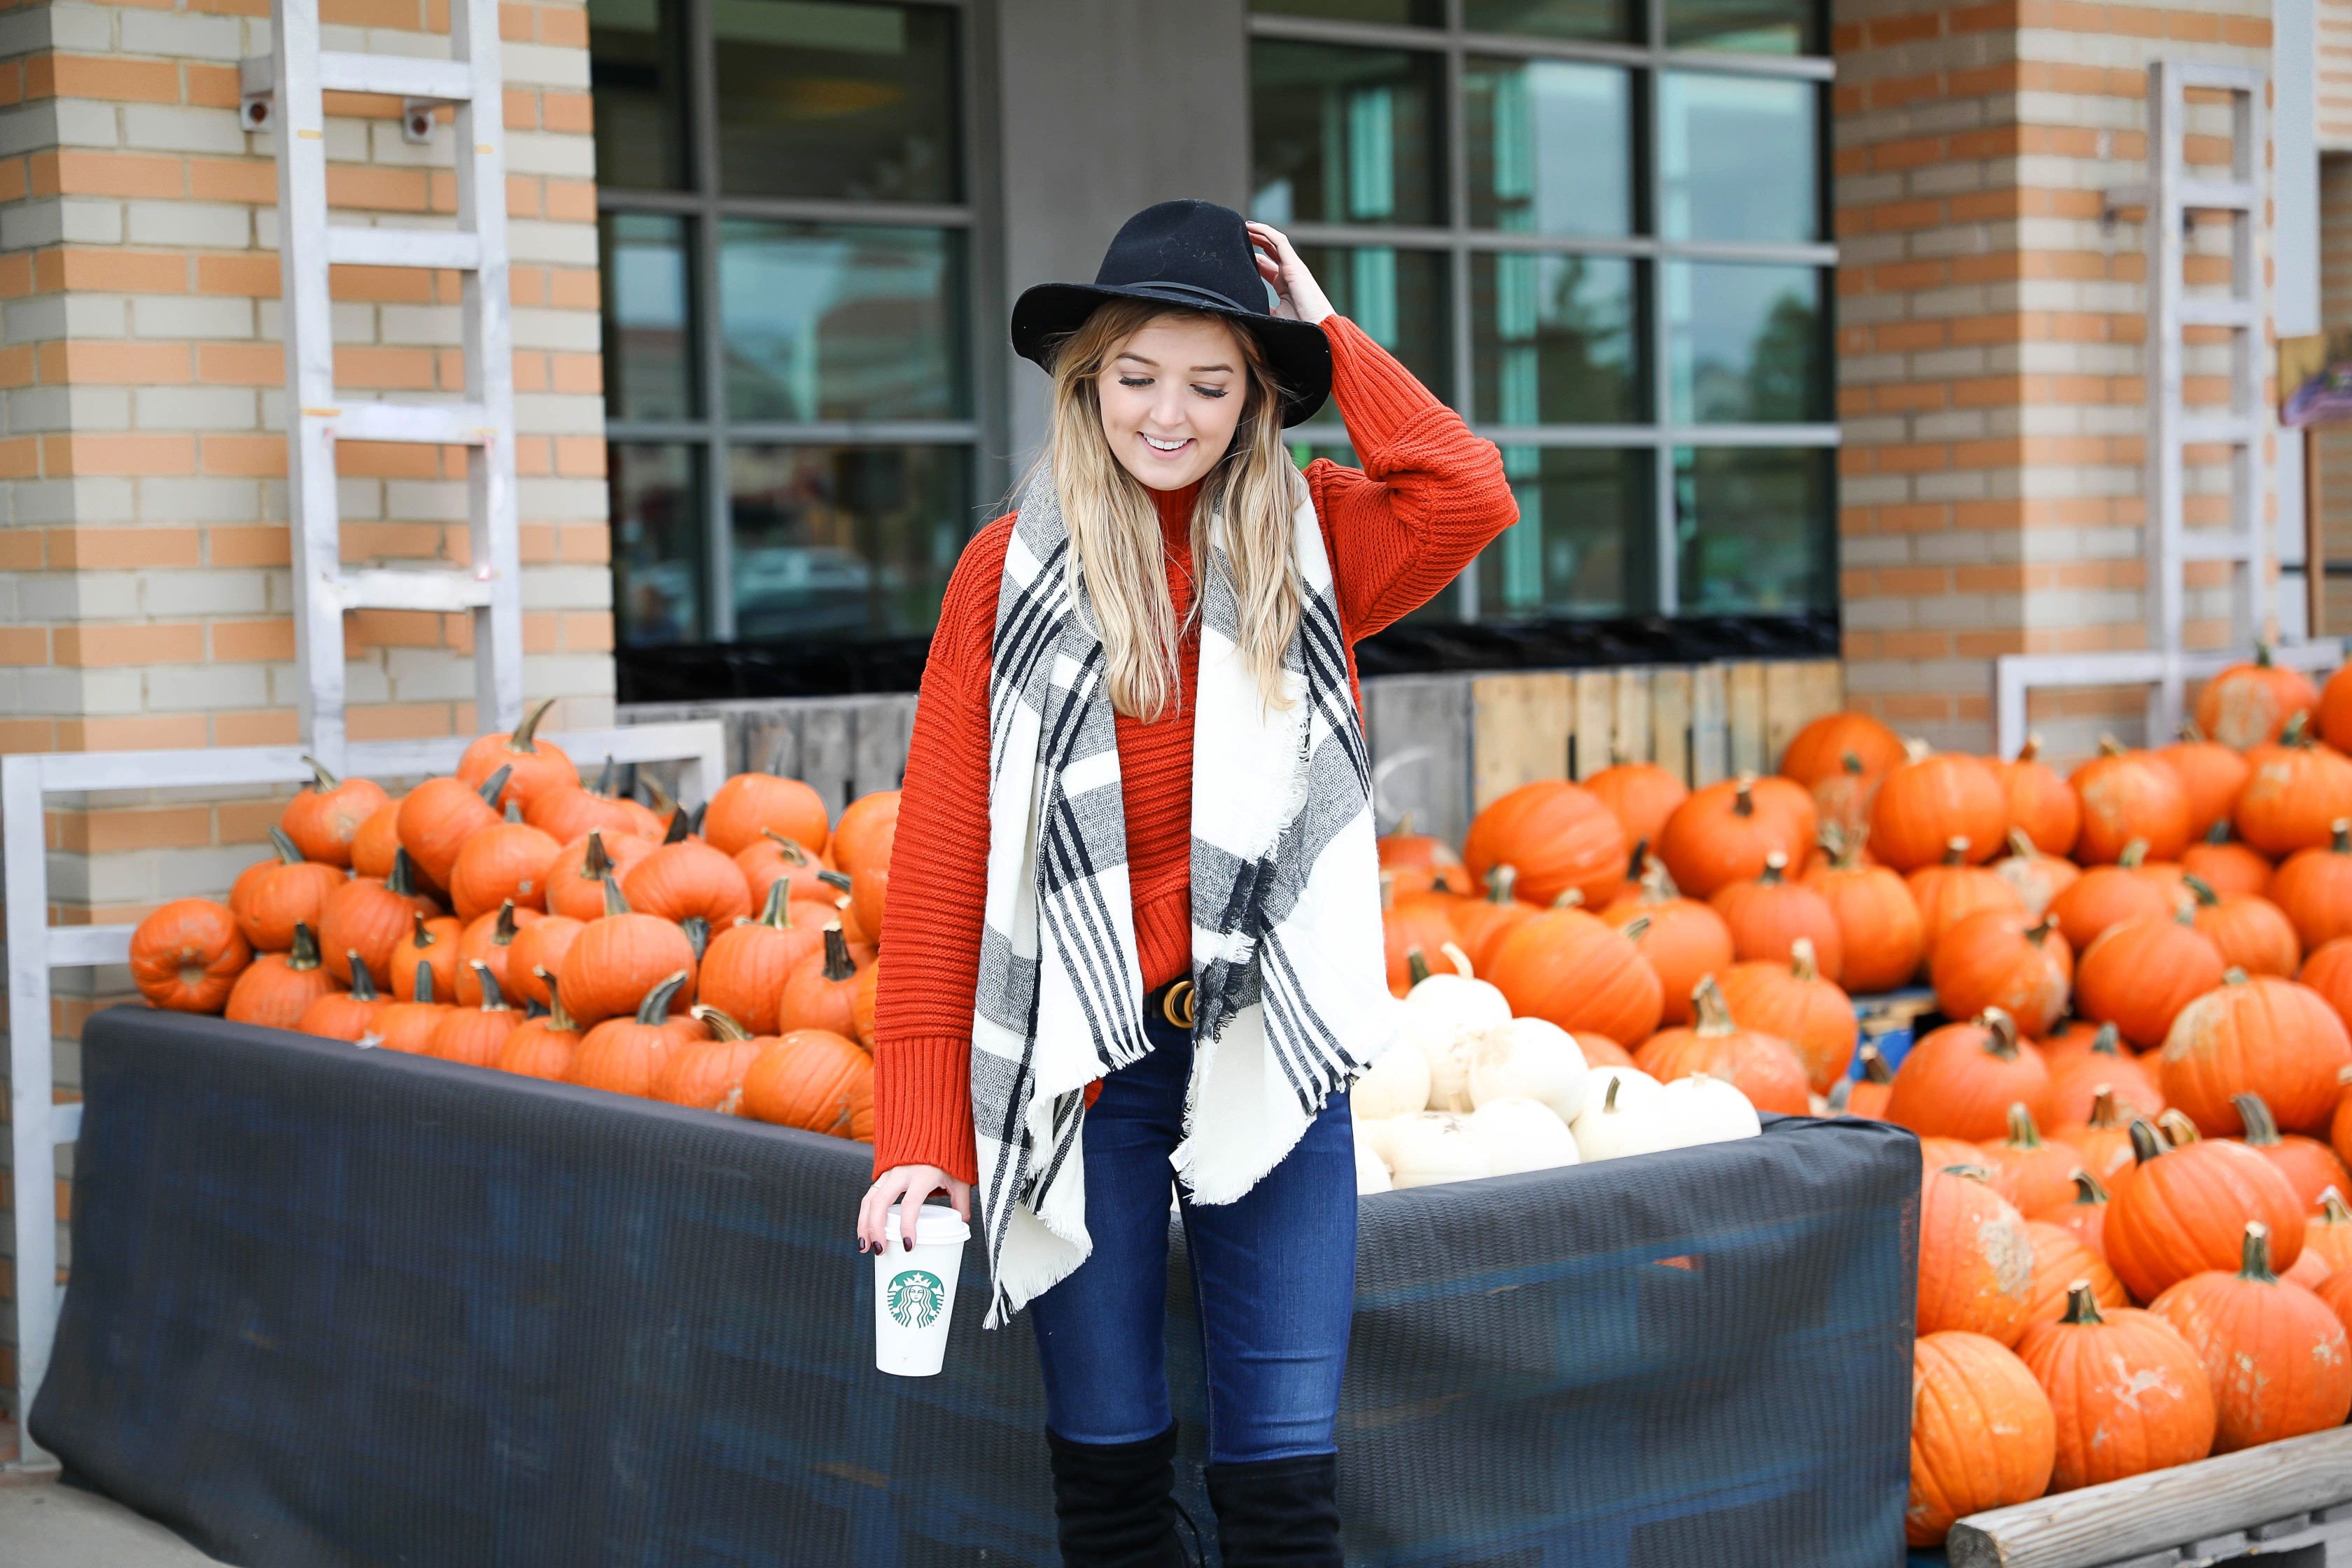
{"x": 514, "y": 810}
{"x": 2087, "y": 1187}
{"x": 305, "y": 956}
{"x": 503, "y": 933}
{"x": 789, "y": 848}
{"x": 596, "y": 865}
{"x": 2108, "y": 1042}
{"x": 2339, "y": 835}
{"x": 839, "y": 882}
{"x": 2219, "y": 832}
{"x": 1714, "y": 1012}
{"x": 2081, "y": 1305}
{"x": 422, "y": 995}
{"x": 2134, "y": 853}
{"x": 1637, "y": 860}
{"x": 287, "y": 854}
{"x": 2332, "y": 1208}
{"x": 523, "y": 739}
{"x": 2201, "y": 890}
{"x": 719, "y": 1024}
{"x": 680, "y": 824}
{"x": 493, "y": 1001}
{"x": 697, "y": 934}
{"x": 2256, "y": 1254}
{"x": 2261, "y": 1127}
{"x": 614, "y": 903}
{"x": 2297, "y": 732}
{"x": 321, "y": 779}
{"x": 1416, "y": 965}
{"x": 838, "y": 964}
{"x": 2038, "y": 932}
{"x": 1632, "y": 931}
{"x": 2022, "y": 1132}
{"x": 2146, "y": 1145}
{"x": 495, "y": 785}
{"x": 557, "y": 1018}
{"x": 1503, "y": 880}
{"x": 776, "y": 913}
{"x": 1775, "y": 867}
{"x": 363, "y": 983}
{"x": 2019, "y": 844}
{"x": 1955, "y": 850}
{"x": 656, "y": 1007}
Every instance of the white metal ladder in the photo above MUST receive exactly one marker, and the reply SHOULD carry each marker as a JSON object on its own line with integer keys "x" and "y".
{"x": 297, "y": 74}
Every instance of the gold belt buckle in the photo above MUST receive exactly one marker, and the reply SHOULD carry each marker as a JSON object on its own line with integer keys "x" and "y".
{"x": 1178, "y": 990}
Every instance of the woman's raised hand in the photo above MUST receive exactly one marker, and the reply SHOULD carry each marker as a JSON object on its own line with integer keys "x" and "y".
{"x": 1301, "y": 299}
{"x": 913, "y": 1184}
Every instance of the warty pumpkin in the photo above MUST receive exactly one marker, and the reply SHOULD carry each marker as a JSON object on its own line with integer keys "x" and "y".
{"x": 1761, "y": 1067}
{"x": 624, "y": 1055}
{"x": 2077, "y": 1078}
{"x": 272, "y": 897}
{"x": 2107, "y": 896}
{"x": 2276, "y": 1355}
{"x": 2129, "y": 795}
{"x": 325, "y": 815}
{"x": 1952, "y": 889}
{"x": 537, "y": 944}
{"x": 432, "y": 942}
{"x": 1639, "y": 796}
{"x": 820, "y": 991}
{"x": 1880, "y": 931}
{"x": 1724, "y": 832}
{"x": 614, "y": 962}
{"x": 2211, "y": 773}
{"x": 688, "y": 878}
{"x": 1683, "y": 940}
{"x": 1982, "y": 1435}
{"x": 2314, "y": 888}
{"x": 491, "y": 940}
{"x": 2038, "y": 877}
{"x": 1976, "y": 1257}
{"x": 278, "y": 988}
{"x": 2250, "y": 933}
{"x": 505, "y": 864}
{"x": 1933, "y": 799}
{"x": 1820, "y": 747}
{"x": 2256, "y": 1034}
{"x": 2042, "y": 805}
{"x": 814, "y": 1081}
{"x": 2185, "y": 1210}
{"x": 1556, "y": 834}
{"x": 532, "y": 767}
{"x": 707, "y": 1074}
{"x": 745, "y": 967}
{"x": 2004, "y": 959}
{"x": 440, "y": 815}
{"x": 2249, "y": 704}
{"x": 862, "y": 839}
{"x": 1791, "y": 1001}
{"x": 344, "y": 1014}
{"x": 542, "y": 1047}
{"x": 2309, "y": 1165}
{"x": 2032, "y": 1172}
{"x": 407, "y": 1027}
{"x": 2140, "y": 974}
{"x": 2062, "y": 1261}
{"x": 2128, "y": 1395}
{"x": 185, "y": 956}
{"x": 1959, "y": 1081}
{"x": 475, "y": 1035}
{"x": 1766, "y": 916}
{"x": 1575, "y": 970}
{"x": 575, "y": 881}
{"x": 749, "y": 805}
{"x": 2293, "y": 796}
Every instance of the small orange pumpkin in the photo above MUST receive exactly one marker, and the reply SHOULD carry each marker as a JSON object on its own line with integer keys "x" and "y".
{"x": 2250, "y": 933}
{"x": 819, "y": 993}
{"x": 279, "y": 987}
{"x": 2129, "y": 796}
{"x": 616, "y": 961}
{"x": 815, "y": 1080}
{"x": 475, "y": 1035}
{"x": 1879, "y": 929}
{"x": 2211, "y": 773}
{"x": 185, "y": 956}
{"x": 2107, "y": 896}
{"x": 1768, "y": 916}
{"x": 575, "y": 881}
{"x": 1572, "y": 969}
{"x": 377, "y": 841}
{"x": 2004, "y": 959}
{"x": 532, "y": 767}
{"x": 1559, "y": 835}
{"x": 344, "y": 1014}
{"x": 407, "y": 1027}
{"x": 537, "y": 944}
{"x": 707, "y": 1074}
{"x": 749, "y": 805}
{"x": 2083, "y": 1215}
{"x": 1863, "y": 1097}
{"x": 1976, "y": 1257}
{"x": 1792, "y": 1002}
{"x": 2042, "y": 805}
{"x": 1819, "y": 749}
{"x": 2226, "y": 866}
{"x": 325, "y": 815}
{"x": 1641, "y": 795}
{"x": 505, "y": 864}
{"x": 773, "y": 858}
{"x": 2186, "y": 1207}
{"x": 572, "y": 811}
{"x": 1932, "y": 799}
{"x": 2077, "y": 1078}
{"x": 491, "y": 940}
{"x": 1683, "y": 940}
{"x": 2276, "y": 1356}
{"x": 2032, "y": 1172}
{"x": 745, "y": 967}
{"x": 440, "y": 815}
{"x": 432, "y": 942}
{"x": 2293, "y": 796}
{"x": 625, "y": 1055}
{"x": 1959, "y": 1081}
{"x": 270, "y": 899}
{"x": 862, "y": 839}
{"x": 1952, "y": 889}
{"x": 2128, "y": 1394}
{"x": 2256, "y": 1034}
{"x": 2315, "y": 889}
{"x": 2139, "y": 974}
{"x": 542, "y": 1047}
{"x": 1761, "y": 1067}
{"x": 2248, "y": 705}
{"x": 1982, "y": 1434}
{"x": 1724, "y": 832}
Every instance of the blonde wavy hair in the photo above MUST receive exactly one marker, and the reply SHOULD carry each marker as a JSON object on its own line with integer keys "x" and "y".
{"x": 1115, "y": 530}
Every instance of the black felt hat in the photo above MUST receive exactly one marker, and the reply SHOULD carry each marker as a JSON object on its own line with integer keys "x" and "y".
{"x": 1195, "y": 255}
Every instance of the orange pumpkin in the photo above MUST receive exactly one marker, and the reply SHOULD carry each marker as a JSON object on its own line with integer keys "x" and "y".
{"x": 2038, "y": 877}
{"x": 2327, "y": 1233}
{"x": 575, "y": 882}
{"x": 1574, "y": 969}
{"x": 687, "y": 880}
{"x": 862, "y": 839}
{"x": 2211, "y": 773}
{"x": 1864, "y": 1097}
{"x": 2062, "y": 1261}
{"x": 1416, "y": 926}
{"x": 820, "y": 993}
{"x": 407, "y": 1027}
{"x": 1724, "y": 832}
{"x": 2107, "y": 896}
{"x": 2315, "y": 889}
{"x": 745, "y": 967}
{"x": 749, "y": 805}
{"x": 2078, "y": 1078}
{"x": 815, "y": 1080}
{"x": 475, "y": 1035}
{"x": 2032, "y": 1172}
{"x": 1427, "y": 861}
{"x": 2309, "y": 1165}
{"x": 2276, "y": 1356}
{"x": 1982, "y": 1435}
{"x": 491, "y": 940}
{"x": 542, "y": 1047}
{"x": 431, "y": 942}
{"x": 568, "y": 812}
{"x": 2008, "y": 959}
{"x": 1768, "y": 916}
{"x": 344, "y": 1014}
{"x": 1879, "y": 933}
{"x": 1762, "y": 1066}
{"x": 1843, "y": 800}
{"x": 2250, "y": 933}
{"x": 616, "y": 961}
{"x": 707, "y": 1074}
{"x": 2225, "y": 865}
{"x": 2139, "y": 976}
{"x": 440, "y": 815}
{"x": 1557, "y": 836}
{"x": 1976, "y": 1257}
{"x": 325, "y": 815}
{"x": 2339, "y": 1134}
{"x": 2329, "y": 970}
{"x": 1931, "y": 800}
{"x": 625, "y": 1055}
{"x": 270, "y": 899}
{"x": 2256, "y": 1034}
{"x": 1792, "y": 1002}
{"x": 2185, "y": 1210}
{"x": 2294, "y": 795}
{"x": 870, "y": 894}
{"x": 2084, "y": 1215}
{"x": 2129, "y": 795}
{"x": 1639, "y": 796}
{"x": 773, "y": 858}
{"x": 868, "y": 991}
{"x": 532, "y": 767}
{"x": 2334, "y": 715}
{"x": 2042, "y": 805}
{"x": 185, "y": 956}
{"x": 377, "y": 841}
{"x": 1950, "y": 891}
{"x": 1820, "y": 747}
{"x": 2248, "y": 705}
{"x": 537, "y": 944}
{"x": 1959, "y": 1081}
{"x": 279, "y": 987}
{"x": 1481, "y": 924}
{"x": 2127, "y": 1393}
{"x": 505, "y": 864}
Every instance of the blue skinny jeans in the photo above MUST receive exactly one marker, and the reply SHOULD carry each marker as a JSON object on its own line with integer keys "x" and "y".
{"x": 1273, "y": 1279}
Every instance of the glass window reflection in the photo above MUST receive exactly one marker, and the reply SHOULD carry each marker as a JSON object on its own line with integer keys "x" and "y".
{"x": 1744, "y": 26}
{"x": 841, "y": 322}
{"x": 1386, "y": 13}
{"x": 1398, "y": 297}
{"x": 853, "y": 542}
{"x": 1744, "y": 344}
{"x": 657, "y": 535}
{"x": 854, "y": 103}
{"x": 1551, "y": 146}
{"x": 1582, "y": 546}
{"x": 638, "y": 74}
{"x": 1606, "y": 21}
{"x": 648, "y": 336}
{"x": 1737, "y": 158}
{"x": 1553, "y": 340}
{"x": 1342, "y": 135}
{"x": 1753, "y": 527}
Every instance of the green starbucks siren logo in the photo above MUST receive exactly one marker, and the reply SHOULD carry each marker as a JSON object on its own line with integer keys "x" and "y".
{"x": 916, "y": 1298}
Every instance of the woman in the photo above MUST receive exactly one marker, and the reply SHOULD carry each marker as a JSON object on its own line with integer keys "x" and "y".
{"x": 1134, "y": 919}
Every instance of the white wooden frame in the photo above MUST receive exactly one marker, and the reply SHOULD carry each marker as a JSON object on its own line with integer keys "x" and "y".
{"x": 38, "y": 1125}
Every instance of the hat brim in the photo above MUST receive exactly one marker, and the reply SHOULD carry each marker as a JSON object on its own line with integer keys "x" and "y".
{"x": 1299, "y": 353}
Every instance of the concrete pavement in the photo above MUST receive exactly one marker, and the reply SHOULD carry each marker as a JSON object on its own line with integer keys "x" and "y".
{"x": 44, "y": 1525}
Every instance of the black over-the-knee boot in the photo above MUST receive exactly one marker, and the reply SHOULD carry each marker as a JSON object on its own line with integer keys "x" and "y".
{"x": 1282, "y": 1512}
{"x": 1116, "y": 1504}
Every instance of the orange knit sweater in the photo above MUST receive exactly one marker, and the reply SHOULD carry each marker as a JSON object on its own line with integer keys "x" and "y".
{"x": 1429, "y": 496}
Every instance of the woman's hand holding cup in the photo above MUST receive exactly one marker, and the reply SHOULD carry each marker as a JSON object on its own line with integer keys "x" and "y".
{"x": 914, "y": 1185}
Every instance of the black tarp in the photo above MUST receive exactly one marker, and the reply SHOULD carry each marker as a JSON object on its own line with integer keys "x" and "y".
{"x": 338, "y": 1307}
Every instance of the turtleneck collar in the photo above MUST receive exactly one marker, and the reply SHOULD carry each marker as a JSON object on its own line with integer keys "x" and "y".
{"x": 1175, "y": 508}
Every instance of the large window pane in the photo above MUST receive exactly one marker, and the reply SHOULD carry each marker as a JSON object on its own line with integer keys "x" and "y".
{"x": 1608, "y": 20}
{"x": 1749, "y": 26}
{"x": 637, "y": 70}
{"x": 1388, "y": 13}
{"x": 1583, "y": 544}
{"x": 1746, "y": 343}
{"x": 657, "y": 537}
{"x": 845, "y": 541}
{"x": 1398, "y": 297}
{"x": 648, "y": 334}
{"x": 1551, "y": 146}
{"x": 1345, "y": 135}
{"x": 1553, "y": 340}
{"x": 1754, "y": 527}
{"x": 856, "y": 102}
{"x": 1739, "y": 158}
{"x": 841, "y": 321}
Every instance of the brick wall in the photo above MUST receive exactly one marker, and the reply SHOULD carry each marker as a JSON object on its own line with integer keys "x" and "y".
{"x": 1989, "y": 336}
{"x": 2333, "y": 20}
{"x": 144, "y": 596}
{"x": 2334, "y": 441}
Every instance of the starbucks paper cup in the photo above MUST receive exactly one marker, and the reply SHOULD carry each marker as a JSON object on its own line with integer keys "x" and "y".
{"x": 914, "y": 1292}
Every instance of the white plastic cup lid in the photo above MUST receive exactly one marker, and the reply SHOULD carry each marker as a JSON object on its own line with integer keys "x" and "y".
{"x": 935, "y": 1226}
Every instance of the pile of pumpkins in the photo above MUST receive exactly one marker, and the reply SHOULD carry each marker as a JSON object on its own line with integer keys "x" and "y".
{"x": 511, "y": 917}
{"x": 2134, "y": 1244}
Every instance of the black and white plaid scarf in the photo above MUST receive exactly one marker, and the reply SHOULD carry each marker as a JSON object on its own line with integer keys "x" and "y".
{"x": 1292, "y": 1000}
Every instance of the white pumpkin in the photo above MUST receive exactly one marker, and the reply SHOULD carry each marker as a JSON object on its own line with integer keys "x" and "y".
{"x": 1436, "y": 1146}
{"x": 1437, "y": 1012}
{"x": 1522, "y": 1134}
{"x": 1621, "y": 1115}
{"x": 1379, "y": 1135}
{"x": 1704, "y": 1110}
{"x": 1398, "y": 1083}
{"x": 1371, "y": 1170}
{"x": 1532, "y": 1059}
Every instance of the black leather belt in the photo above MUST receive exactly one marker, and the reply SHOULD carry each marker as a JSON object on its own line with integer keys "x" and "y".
{"x": 1172, "y": 1003}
